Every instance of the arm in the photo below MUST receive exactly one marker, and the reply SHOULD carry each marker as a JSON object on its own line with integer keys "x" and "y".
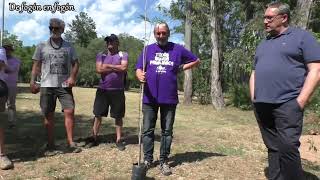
{"x": 71, "y": 81}
{"x": 190, "y": 65}
{"x": 312, "y": 80}
{"x": 36, "y": 71}
{"x": 106, "y": 68}
{"x": 2, "y": 65}
{"x": 251, "y": 85}
{"x": 118, "y": 68}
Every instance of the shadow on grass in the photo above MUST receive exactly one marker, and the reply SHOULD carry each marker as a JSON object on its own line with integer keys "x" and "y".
{"x": 28, "y": 139}
{"x": 307, "y": 175}
{"x": 190, "y": 157}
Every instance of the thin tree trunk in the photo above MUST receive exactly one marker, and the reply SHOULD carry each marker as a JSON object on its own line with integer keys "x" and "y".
{"x": 187, "y": 83}
{"x": 303, "y": 10}
{"x": 216, "y": 90}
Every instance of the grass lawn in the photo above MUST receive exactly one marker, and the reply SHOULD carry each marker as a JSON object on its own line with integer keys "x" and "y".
{"x": 208, "y": 144}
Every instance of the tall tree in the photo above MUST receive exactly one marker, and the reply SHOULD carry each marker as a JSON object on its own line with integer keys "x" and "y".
{"x": 187, "y": 84}
{"x": 82, "y": 30}
{"x": 216, "y": 90}
{"x": 302, "y": 13}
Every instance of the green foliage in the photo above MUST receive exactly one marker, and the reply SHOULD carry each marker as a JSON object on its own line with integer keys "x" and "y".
{"x": 240, "y": 96}
{"x": 201, "y": 82}
{"x": 25, "y": 55}
{"x": 82, "y": 30}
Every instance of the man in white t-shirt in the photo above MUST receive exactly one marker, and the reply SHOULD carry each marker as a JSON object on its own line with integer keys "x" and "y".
{"x": 57, "y": 63}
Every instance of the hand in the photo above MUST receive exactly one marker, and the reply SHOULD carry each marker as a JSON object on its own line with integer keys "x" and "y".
{"x": 301, "y": 103}
{"x": 141, "y": 76}
{"x": 34, "y": 88}
{"x": 70, "y": 82}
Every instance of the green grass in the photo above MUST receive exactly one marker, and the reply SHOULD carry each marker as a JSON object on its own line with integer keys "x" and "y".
{"x": 207, "y": 144}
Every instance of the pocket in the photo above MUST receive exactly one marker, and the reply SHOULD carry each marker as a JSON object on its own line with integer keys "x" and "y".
{"x": 298, "y": 105}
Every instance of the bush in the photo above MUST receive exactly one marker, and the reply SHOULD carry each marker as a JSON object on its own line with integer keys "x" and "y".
{"x": 240, "y": 96}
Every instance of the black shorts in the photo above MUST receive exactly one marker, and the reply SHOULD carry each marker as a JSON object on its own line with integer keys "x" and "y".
{"x": 114, "y": 99}
{"x": 49, "y": 95}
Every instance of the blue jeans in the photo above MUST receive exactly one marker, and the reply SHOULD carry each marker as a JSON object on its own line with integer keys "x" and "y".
{"x": 167, "y": 115}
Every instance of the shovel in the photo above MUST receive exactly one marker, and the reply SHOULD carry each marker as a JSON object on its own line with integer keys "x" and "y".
{"x": 139, "y": 170}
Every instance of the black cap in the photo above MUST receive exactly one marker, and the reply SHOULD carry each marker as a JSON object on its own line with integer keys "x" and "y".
{"x": 111, "y": 38}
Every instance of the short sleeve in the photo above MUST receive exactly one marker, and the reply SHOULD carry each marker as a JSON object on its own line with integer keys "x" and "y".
{"x": 310, "y": 48}
{"x": 37, "y": 55}
{"x": 187, "y": 56}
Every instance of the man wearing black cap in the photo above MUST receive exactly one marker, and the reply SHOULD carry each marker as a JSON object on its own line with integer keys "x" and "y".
{"x": 112, "y": 65}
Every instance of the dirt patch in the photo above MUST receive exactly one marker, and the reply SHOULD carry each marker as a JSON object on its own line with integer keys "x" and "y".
{"x": 310, "y": 148}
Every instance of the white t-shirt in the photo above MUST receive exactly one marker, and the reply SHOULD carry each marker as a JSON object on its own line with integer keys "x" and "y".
{"x": 3, "y": 58}
{"x": 56, "y": 64}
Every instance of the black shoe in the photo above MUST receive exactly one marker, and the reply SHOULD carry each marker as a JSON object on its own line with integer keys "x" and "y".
{"x": 73, "y": 148}
{"x": 165, "y": 169}
{"x": 121, "y": 145}
{"x": 51, "y": 150}
{"x": 91, "y": 142}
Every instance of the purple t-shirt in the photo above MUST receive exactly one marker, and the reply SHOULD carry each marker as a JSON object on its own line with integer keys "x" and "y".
{"x": 14, "y": 65}
{"x": 113, "y": 80}
{"x": 162, "y": 66}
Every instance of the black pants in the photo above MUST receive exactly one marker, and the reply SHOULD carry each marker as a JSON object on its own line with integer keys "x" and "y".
{"x": 281, "y": 127}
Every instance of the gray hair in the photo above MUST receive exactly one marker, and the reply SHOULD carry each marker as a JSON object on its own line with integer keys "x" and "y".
{"x": 58, "y": 21}
{"x": 283, "y": 8}
{"x": 161, "y": 23}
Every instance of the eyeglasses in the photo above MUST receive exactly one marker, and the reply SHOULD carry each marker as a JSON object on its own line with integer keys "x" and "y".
{"x": 161, "y": 33}
{"x": 53, "y": 28}
{"x": 270, "y": 18}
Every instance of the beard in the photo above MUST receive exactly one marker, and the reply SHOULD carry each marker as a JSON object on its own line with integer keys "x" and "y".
{"x": 162, "y": 42}
{"x": 55, "y": 35}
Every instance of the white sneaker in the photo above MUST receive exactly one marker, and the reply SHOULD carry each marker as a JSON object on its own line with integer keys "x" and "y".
{"x": 5, "y": 163}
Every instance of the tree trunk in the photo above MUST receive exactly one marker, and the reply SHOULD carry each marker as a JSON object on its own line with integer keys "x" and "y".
{"x": 187, "y": 83}
{"x": 302, "y": 14}
{"x": 216, "y": 90}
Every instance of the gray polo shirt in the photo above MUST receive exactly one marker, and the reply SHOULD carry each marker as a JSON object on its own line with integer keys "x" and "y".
{"x": 280, "y": 65}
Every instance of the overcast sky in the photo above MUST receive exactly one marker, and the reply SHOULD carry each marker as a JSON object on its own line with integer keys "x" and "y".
{"x": 110, "y": 16}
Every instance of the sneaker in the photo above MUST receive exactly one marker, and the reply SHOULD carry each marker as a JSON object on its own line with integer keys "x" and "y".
{"x": 91, "y": 142}
{"x": 5, "y": 163}
{"x": 73, "y": 148}
{"x": 165, "y": 169}
{"x": 121, "y": 145}
{"x": 148, "y": 164}
{"x": 51, "y": 150}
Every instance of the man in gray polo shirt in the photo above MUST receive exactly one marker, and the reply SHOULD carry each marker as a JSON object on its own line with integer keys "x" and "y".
{"x": 285, "y": 73}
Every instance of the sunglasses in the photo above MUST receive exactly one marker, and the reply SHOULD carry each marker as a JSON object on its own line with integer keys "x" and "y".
{"x": 53, "y": 28}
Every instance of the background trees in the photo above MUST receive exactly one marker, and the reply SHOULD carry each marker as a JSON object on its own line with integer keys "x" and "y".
{"x": 224, "y": 37}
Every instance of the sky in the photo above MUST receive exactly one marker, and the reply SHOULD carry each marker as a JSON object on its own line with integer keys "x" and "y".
{"x": 28, "y": 19}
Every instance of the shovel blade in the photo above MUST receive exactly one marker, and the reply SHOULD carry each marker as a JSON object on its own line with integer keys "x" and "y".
{"x": 139, "y": 171}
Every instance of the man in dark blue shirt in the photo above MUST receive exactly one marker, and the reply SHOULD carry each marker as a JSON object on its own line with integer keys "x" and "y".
{"x": 285, "y": 73}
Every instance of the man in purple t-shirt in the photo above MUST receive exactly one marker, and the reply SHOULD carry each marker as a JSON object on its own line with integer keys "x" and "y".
{"x": 162, "y": 63}
{"x": 112, "y": 64}
{"x": 12, "y": 78}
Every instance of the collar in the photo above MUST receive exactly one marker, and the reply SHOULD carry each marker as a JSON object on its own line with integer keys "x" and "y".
{"x": 286, "y": 32}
